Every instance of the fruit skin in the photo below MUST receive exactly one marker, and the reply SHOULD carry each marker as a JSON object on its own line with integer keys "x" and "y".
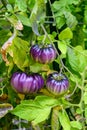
{"x": 25, "y": 84}
{"x": 57, "y": 83}
{"x": 35, "y": 52}
{"x": 44, "y": 54}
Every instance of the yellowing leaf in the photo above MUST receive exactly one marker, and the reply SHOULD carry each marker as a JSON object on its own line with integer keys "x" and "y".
{"x": 66, "y": 34}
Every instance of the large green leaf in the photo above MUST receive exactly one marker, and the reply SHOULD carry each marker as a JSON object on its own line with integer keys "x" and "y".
{"x": 36, "y": 110}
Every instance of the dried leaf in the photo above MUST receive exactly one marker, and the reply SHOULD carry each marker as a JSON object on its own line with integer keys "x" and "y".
{"x": 5, "y": 47}
{"x": 4, "y": 108}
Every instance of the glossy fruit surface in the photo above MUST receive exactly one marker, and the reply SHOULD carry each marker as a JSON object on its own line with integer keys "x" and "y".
{"x": 23, "y": 83}
{"x": 57, "y": 83}
{"x": 44, "y": 54}
{"x": 35, "y": 52}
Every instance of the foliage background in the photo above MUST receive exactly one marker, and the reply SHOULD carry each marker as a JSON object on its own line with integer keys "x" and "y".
{"x": 64, "y": 24}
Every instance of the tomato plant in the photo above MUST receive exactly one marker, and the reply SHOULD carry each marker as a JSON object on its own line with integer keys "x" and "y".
{"x": 43, "y": 64}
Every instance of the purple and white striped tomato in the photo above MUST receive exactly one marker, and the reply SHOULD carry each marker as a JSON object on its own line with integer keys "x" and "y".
{"x": 57, "y": 83}
{"x": 25, "y": 84}
{"x": 43, "y": 54}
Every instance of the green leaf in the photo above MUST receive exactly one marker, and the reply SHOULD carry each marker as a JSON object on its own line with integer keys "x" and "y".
{"x": 37, "y": 15}
{"x": 73, "y": 60}
{"x": 73, "y": 128}
{"x": 82, "y": 57}
{"x": 4, "y": 35}
{"x": 47, "y": 101}
{"x": 82, "y": 62}
{"x": 9, "y": 8}
{"x": 21, "y": 4}
{"x": 44, "y": 114}
{"x": 57, "y": 5}
{"x": 63, "y": 13}
{"x": 36, "y": 110}
{"x": 66, "y": 34}
{"x": 24, "y": 19}
{"x": 31, "y": 4}
{"x": 18, "y": 51}
{"x": 4, "y": 108}
{"x": 71, "y": 20}
{"x": 63, "y": 3}
{"x": 4, "y": 25}
{"x": 62, "y": 46}
{"x": 11, "y": 1}
{"x": 51, "y": 36}
{"x": 76, "y": 124}
{"x": 60, "y": 21}
{"x": 36, "y": 67}
{"x": 77, "y": 56}
{"x": 64, "y": 120}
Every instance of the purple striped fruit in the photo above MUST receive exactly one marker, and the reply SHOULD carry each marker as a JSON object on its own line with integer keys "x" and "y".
{"x": 25, "y": 84}
{"x": 44, "y": 54}
{"x": 35, "y": 52}
{"x": 57, "y": 83}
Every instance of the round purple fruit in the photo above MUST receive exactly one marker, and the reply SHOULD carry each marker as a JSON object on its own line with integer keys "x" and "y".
{"x": 43, "y": 54}
{"x": 57, "y": 83}
{"x": 25, "y": 84}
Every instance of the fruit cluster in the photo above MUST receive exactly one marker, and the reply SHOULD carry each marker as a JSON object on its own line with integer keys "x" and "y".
{"x": 56, "y": 83}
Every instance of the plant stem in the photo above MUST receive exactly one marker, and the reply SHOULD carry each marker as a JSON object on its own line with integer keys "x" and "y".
{"x": 62, "y": 65}
{"x": 81, "y": 104}
{"x": 53, "y": 15}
